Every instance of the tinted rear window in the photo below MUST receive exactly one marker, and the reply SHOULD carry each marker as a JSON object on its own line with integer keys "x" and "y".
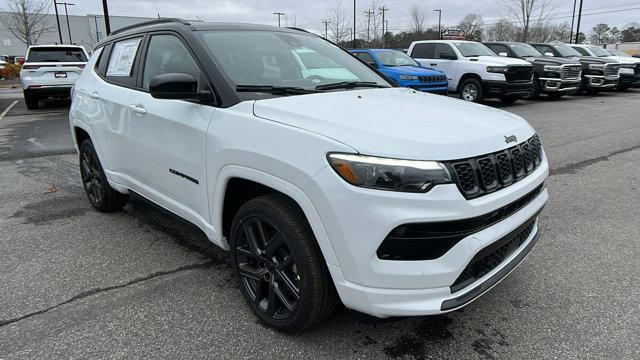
{"x": 56, "y": 54}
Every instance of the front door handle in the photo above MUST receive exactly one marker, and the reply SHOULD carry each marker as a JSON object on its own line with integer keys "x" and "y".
{"x": 138, "y": 109}
{"x": 94, "y": 95}
{"x": 433, "y": 64}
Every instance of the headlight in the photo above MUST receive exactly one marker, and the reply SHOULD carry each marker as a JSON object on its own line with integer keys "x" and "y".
{"x": 497, "y": 69}
{"x": 408, "y": 77}
{"x": 628, "y": 66}
{"x": 552, "y": 68}
{"x": 626, "y": 70}
{"x": 389, "y": 174}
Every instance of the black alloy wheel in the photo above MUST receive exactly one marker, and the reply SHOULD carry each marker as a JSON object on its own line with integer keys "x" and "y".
{"x": 100, "y": 194}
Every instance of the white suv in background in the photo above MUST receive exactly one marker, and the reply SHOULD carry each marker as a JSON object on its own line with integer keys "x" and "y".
{"x": 474, "y": 71}
{"x": 49, "y": 72}
{"x": 325, "y": 188}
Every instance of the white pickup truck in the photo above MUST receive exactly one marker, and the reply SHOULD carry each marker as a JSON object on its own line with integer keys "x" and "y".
{"x": 474, "y": 71}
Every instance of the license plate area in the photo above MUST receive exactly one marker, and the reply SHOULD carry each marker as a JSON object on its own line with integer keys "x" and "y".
{"x": 60, "y": 74}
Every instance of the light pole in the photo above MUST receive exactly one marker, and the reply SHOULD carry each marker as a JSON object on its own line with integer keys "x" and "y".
{"x": 66, "y": 14}
{"x": 439, "y": 23}
{"x": 55, "y": 6}
{"x": 107, "y": 23}
{"x": 573, "y": 19}
{"x": 326, "y": 28}
{"x": 578, "y": 27}
{"x": 353, "y": 41}
{"x": 279, "y": 14}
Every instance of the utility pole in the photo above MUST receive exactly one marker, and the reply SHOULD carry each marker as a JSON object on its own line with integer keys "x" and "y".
{"x": 383, "y": 10}
{"x": 279, "y": 14}
{"x": 66, "y": 14}
{"x": 573, "y": 19}
{"x": 368, "y": 14}
{"x": 107, "y": 23}
{"x": 55, "y": 6}
{"x": 353, "y": 40}
{"x": 578, "y": 27}
{"x": 326, "y": 28}
{"x": 95, "y": 20}
{"x": 439, "y": 23}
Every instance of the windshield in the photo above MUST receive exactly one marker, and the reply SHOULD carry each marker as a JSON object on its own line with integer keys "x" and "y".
{"x": 395, "y": 58}
{"x": 471, "y": 49}
{"x": 598, "y": 51}
{"x": 619, "y": 53}
{"x": 525, "y": 50}
{"x": 566, "y": 50}
{"x": 282, "y": 59}
{"x": 56, "y": 54}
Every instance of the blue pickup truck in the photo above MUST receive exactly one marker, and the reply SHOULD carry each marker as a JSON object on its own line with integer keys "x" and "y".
{"x": 404, "y": 70}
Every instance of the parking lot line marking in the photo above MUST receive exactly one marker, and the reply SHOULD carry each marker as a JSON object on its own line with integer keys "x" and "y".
{"x": 8, "y": 109}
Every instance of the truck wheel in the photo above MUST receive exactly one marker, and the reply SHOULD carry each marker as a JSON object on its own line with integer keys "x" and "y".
{"x": 278, "y": 265}
{"x": 31, "y": 101}
{"x": 471, "y": 90}
{"x": 581, "y": 88}
{"x": 535, "y": 92}
{"x": 101, "y": 196}
{"x": 508, "y": 99}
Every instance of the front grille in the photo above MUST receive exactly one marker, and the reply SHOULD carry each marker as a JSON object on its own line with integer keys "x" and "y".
{"x": 571, "y": 72}
{"x": 432, "y": 79}
{"x": 519, "y": 73}
{"x": 611, "y": 69}
{"x": 431, "y": 240}
{"x": 488, "y": 173}
{"x": 493, "y": 255}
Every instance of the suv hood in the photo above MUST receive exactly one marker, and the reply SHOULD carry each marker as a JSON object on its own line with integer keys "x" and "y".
{"x": 412, "y": 70}
{"x": 550, "y": 60}
{"x": 399, "y": 122}
{"x": 497, "y": 60}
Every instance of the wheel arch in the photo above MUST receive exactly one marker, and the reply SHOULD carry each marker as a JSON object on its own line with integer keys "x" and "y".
{"x": 250, "y": 183}
{"x": 466, "y": 76}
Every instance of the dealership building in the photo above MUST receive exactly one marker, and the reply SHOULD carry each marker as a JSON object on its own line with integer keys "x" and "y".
{"x": 85, "y": 30}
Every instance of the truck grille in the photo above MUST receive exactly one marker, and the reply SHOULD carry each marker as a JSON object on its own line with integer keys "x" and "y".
{"x": 571, "y": 72}
{"x": 432, "y": 79}
{"x": 612, "y": 70}
{"x": 488, "y": 173}
{"x": 519, "y": 73}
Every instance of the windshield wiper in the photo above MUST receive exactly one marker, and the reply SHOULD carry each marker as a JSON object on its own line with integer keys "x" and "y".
{"x": 275, "y": 90}
{"x": 350, "y": 85}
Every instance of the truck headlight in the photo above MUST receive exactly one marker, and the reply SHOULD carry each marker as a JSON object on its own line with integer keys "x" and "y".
{"x": 408, "y": 77}
{"x": 373, "y": 172}
{"x": 497, "y": 69}
{"x": 552, "y": 68}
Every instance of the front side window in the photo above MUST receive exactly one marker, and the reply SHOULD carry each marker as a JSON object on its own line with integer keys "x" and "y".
{"x": 395, "y": 58}
{"x": 299, "y": 60}
{"x": 56, "y": 54}
{"x": 566, "y": 50}
{"x": 471, "y": 49}
{"x": 123, "y": 54}
{"x": 444, "y": 51}
{"x": 525, "y": 50}
{"x": 499, "y": 49}
{"x": 168, "y": 55}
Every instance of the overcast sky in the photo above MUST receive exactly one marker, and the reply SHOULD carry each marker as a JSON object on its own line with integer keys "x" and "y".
{"x": 311, "y": 12}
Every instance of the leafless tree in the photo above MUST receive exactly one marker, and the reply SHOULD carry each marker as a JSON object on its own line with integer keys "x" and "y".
{"x": 473, "y": 26}
{"x": 294, "y": 21}
{"x": 418, "y": 20}
{"x": 526, "y": 13}
{"x": 339, "y": 25}
{"x": 502, "y": 30}
{"x": 26, "y": 19}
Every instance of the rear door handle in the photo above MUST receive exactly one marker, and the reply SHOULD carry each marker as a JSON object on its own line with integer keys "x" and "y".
{"x": 94, "y": 95}
{"x": 433, "y": 64}
{"x": 138, "y": 109}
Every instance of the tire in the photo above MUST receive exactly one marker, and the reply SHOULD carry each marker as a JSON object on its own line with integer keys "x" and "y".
{"x": 535, "y": 92}
{"x": 101, "y": 196}
{"x": 583, "y": 85}
{"x": 284, "y": 252}
{"x": 508, "y": 99}
{"x": 471, "y": 90}
{"x": 32, "y": 101}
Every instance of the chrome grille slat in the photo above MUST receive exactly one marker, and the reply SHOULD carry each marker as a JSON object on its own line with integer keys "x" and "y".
{"x": 571, "y": 72}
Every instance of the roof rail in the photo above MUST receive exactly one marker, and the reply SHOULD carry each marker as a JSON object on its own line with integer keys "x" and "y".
{"x": 151, "y": 22}
{"x": 297, "y": 28}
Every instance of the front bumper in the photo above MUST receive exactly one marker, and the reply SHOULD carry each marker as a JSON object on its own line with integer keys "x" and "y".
{"x": 629, "y": 80}
{"x": 357, "y": 221}
{"x": 503, "y": 88}
{"x": 601, "y": 82}
{"x": 559, "y": 85}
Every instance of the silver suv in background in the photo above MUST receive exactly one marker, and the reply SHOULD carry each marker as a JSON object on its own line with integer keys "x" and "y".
{"x": 50, "y": 71}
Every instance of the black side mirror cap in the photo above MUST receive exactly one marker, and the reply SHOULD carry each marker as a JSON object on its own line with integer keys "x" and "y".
{"x": 174, "y": 86}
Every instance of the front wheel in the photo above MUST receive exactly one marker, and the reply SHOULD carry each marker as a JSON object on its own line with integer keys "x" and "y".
{"x": 534, "y": 94}
{"x": 471, "y": 90}
{"x": 101, "y": 196}
{"x": 278, "y": 265}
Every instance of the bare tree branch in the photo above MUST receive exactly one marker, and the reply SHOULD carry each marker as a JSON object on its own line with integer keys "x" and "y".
{"x": 418, "y": 20}
{"x": 25, "y": 19}
{"x": 528, "y": 12}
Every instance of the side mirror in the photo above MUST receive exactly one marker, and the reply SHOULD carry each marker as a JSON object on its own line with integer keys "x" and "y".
{"x": 504, "y": 54}
{"x": 548, "y": 54}
{"x": 174, "y": 86}
{"x": 373, "y": 64}
{"x": 448, "y": 56}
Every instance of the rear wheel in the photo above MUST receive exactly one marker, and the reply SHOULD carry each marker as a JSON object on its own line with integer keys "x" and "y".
{"x": 278, "y": 265}
{"x": 471, "y": 90}
{"x": 101, "y": 196}
{"x": 32, "y": 101}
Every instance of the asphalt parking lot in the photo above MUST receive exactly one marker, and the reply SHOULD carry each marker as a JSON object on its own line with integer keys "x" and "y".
{"x": 76, "y": 283}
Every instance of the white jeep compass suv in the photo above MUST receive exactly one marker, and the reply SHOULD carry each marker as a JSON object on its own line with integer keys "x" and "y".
{"x": 325, "y": 188}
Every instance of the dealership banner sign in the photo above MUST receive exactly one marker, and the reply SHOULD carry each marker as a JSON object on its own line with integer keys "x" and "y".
{"x": 452, "y": 34}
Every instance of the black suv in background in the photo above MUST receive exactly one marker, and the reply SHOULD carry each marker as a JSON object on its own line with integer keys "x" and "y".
{"x": 553, "y": 76}
{"x": 597, "y": 73}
